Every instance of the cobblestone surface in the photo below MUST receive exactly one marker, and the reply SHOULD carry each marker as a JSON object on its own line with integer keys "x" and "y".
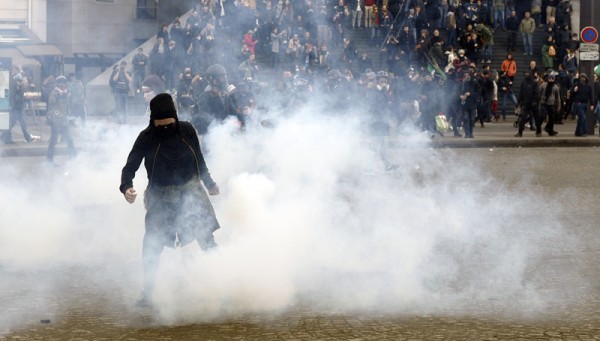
{"x": 86, "y": 310}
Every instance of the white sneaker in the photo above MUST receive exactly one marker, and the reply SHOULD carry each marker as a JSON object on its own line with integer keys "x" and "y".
{"x": 34, "y": 138}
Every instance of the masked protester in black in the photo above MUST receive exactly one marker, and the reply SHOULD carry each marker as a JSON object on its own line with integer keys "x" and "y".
{"x": 217, "y": 101}
{"x": 178, "y": 210}
{"x": 528, "y": 102}
{"x": 550, "y": 102}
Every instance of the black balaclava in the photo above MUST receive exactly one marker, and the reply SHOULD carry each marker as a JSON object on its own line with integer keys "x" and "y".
{"x": 161, "y": 107}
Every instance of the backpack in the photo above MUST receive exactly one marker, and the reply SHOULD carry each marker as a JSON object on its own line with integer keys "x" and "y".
{"x": 551, "y": 51}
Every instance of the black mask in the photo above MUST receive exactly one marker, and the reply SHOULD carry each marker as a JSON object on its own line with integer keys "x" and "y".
{"x": 220, "y": 82}
{"x": 165, "y": 131}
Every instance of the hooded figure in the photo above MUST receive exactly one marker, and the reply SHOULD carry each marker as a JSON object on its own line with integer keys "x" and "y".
{"x": 178, "y": 210}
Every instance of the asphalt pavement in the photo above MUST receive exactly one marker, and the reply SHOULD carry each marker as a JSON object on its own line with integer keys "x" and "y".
{"x": 564, "y": 275}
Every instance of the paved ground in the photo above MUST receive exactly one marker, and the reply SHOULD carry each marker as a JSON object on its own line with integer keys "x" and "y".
{"x": 551, "y": 184}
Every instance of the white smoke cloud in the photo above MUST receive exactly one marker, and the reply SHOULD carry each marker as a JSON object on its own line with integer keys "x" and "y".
{"x": 308, "y": 216}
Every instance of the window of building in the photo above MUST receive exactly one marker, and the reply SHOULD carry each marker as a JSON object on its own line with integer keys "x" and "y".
{"x": 146, "y": 9}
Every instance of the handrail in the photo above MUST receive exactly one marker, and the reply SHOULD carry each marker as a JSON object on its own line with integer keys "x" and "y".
{"x": 387, "y": 36}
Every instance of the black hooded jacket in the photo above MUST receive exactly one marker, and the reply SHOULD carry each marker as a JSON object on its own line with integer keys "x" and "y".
{"x": 169, "y": 161}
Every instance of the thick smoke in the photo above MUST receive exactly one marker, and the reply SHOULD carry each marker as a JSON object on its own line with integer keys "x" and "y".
{"x": 308, "y": 215}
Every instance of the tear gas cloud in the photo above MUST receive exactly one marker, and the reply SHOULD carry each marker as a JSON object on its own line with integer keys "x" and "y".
{"x": 308, "y": 216}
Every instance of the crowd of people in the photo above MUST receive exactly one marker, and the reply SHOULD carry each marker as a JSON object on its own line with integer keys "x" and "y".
{"x": 278, "y": 53}
{"x": 283, "y": 48}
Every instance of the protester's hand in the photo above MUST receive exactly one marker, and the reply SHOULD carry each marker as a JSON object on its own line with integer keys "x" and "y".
{"x": 214, "y": 190}
{"x": 130, "y": 195}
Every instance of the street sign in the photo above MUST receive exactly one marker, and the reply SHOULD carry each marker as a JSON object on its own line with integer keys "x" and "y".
{"x": 586, "y": 47}
{"x": 594, "y": 55}
{"x": 589, "y": 34}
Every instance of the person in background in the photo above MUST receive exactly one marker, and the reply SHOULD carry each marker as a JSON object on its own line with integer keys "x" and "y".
{"x": 570, "y": 62}
{"x": 185, "y": 100}
{"x": 357, "y": 7}
{"x": 139, "y": 62}
{"x": 505, "y": 85}
{"x": 487, "y": 42}
{"x": 550, "y": 9}
{"x": 178, "y": 210}
{"x": 550, "y": 102}
{"x": 469, "y": 98}
{"x": 536, "y": 12}
{"x": 76, "y": 99}
{"x": 17, "y": 99}
{"x": 499, "y": 14}
{"x": 512, "y": 28}
{"x": 528, "y": 101}
{"x": 548, "y": 53}
{"x": 58, "y": 119}
{"x": 597, "y": 95}
{"x": 582, "y": 98}
{"x": 120, "y": 84}
{"x": 527, "y": 28}
{"x": 216, "y": 102}
{"x": 509, "y": 65}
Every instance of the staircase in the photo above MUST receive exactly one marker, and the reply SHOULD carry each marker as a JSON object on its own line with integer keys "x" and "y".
{"x": 362, "y": 41}
{"x": 499, "y": 53}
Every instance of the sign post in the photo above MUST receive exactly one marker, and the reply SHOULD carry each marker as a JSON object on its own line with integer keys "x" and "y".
{"x": 589, "y": 34}
{"x": 590, "y": 53}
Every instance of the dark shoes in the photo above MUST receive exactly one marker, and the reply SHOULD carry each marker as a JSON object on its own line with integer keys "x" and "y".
{"x": 518, "y": 135}
{"x": 551, "y": 133}
{"x": 144, "y": 302}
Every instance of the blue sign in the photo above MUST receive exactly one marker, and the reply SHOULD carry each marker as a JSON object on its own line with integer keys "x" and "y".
{"x": 589, "y": 35}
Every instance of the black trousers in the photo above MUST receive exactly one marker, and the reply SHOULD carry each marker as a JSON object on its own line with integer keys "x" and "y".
{"x": 512, "y": 41}
{"x": 550, "y": 112}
